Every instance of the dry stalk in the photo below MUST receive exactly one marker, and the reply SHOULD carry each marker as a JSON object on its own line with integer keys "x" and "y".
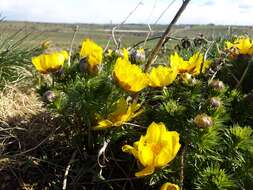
{"x": 244, "y": 75}
{"x": 72, "y": 42}
{"x": 64, "y": 186}
{"x": 123, "y": 22}
{"x": 162, "y": 40}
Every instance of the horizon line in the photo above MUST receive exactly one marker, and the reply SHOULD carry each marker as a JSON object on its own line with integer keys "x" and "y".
{"x": 127, "y": 23}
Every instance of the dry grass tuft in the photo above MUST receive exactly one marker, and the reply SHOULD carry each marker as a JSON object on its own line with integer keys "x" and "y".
{"x": 17, "y": 103}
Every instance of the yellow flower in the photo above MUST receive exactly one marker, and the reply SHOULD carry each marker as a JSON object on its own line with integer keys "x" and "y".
{"x": 243, "y": 45}
{"x": 169, "y": 186}
{"x": 92, "y": 52}
{"x": 192, "y": 66}
{"x": 122, "y": 114}
{"x": 129, "y": 76}
{"x": 162, "y": 76}
{"x": 50, "y": 62}
{"x": 156, "y": 149}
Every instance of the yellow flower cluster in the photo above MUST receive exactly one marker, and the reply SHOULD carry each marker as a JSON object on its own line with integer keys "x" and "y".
{"x": 50, "y": 62}
{"x": 242, "y": 45}
{"x": 92, "y": 52}
{"x": 192, "y": 66}
{"x": 122, "y": 114}
{"x": 131, "y": 77}
{"x": 156, "y": 149}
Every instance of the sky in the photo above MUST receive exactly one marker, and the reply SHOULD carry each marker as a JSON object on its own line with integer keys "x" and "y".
{"x": 225, "y": 12}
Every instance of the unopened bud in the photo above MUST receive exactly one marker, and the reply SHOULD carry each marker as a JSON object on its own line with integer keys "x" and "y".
{"x": 217, "y": 85}
{"x": 199, "y": 40}
{"x": 185, "y": 42}
{"x": 138, "y": 55}
{"x": 203, "y": 121}
{"x": 215, "y": 102}
{"x": 49, "y": 96}
{"x": 85, "y": 67}
{"x": 46, "y": 44}
{"x": 76, "y": 28}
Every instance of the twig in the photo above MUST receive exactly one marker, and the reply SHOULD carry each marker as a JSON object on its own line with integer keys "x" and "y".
{"x": 162, "y": 40}
{"x": 205, "y": 56}
{"x": 165, "y": 10}
{"x": 102, "y": 152}
{"x": 214, "y": 75}
{"x": 123, "y": 22}
{"x": 123, "y": 171}
{"x": 135, "y": 125}
{"x": 149, "y": 33}
{"x": 154, "y": 38}
{"x": 243, "y": 75}
{"x": 64, "y": 185}
{"x": 107, "y": 45}
{"x": 35, "y": 147}
{"x": 149, "y": 27}
{"x": 72, "y": 42}
{"x": 182, "y": 168}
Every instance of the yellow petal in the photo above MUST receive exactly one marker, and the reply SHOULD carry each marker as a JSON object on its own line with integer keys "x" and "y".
{"x": 129, "y": 76}
{"x": 104, "y": 124}
{"x": 92, "y": 51}
{"x": 37, "y": 63}
{"x": 131, "y": 150}
{"x": 145, "y": 172}
{"x": 244, "y": 45}
{"x": 155, "y": 132}
{"x": 169, "y": 186}
{"x": 145, "y": 153}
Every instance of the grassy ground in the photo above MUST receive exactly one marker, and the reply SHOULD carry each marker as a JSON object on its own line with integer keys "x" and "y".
{"x": 61, "y": 34}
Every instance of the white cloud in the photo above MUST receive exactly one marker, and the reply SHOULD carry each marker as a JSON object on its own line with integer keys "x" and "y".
{"x": 104, "y": 11}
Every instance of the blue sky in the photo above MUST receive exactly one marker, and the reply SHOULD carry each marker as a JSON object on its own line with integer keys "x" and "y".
{"x": 230, "y": 12}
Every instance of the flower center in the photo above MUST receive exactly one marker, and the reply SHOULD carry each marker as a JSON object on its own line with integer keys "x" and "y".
{"x": 156, "y": 148}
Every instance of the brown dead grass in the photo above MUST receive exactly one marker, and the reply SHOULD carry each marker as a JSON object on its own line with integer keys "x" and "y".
{"x": 18, "y": 103}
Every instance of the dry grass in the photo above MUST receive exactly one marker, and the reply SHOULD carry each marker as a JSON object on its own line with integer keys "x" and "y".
{"x": 26, "y": 132}
{"x": 16, "y": 103}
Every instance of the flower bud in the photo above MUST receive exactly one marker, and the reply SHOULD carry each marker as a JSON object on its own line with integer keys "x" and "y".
{"x": 215, "y": 102}
{"x": 203, "y": 121}
{"x": 83, "y": 65}
{"x": 185, "y": 42}
{"x": 217, "y": 85}
{"x": 46, "y": 44}
{"x": 199, "y": 40}
{"x": 187, "y": 78}
{"x": 138, "y": 55}
{"x": 76, "y": 28}
{"x": 49, "y": 96}
{"x": 86, "y": 68}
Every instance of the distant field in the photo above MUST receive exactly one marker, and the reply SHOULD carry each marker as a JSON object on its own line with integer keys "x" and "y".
{"x": 61, "y": 34}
